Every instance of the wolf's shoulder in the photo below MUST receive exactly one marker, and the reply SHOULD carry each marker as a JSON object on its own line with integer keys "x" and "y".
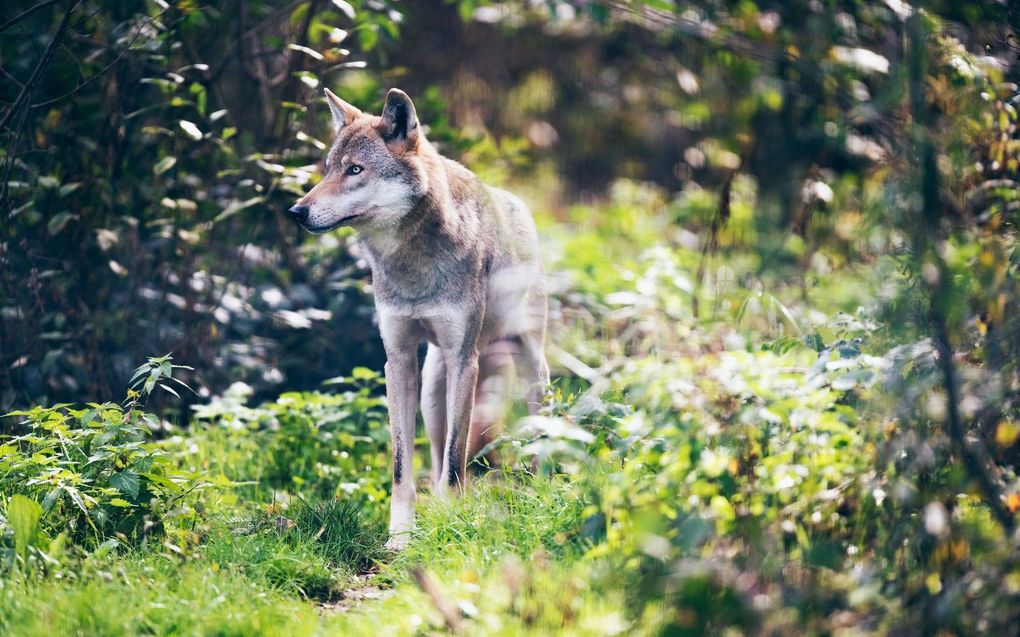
{"x": 509, "y": 203}
{"x": 516, "y": 235}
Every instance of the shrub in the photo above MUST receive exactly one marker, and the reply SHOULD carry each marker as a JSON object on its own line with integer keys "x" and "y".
{"x": 322, "y": 445}
{"x": 91, "y": 475}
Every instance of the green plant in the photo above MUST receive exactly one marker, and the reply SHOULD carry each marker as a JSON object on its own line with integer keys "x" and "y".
{"x": 329, "y": 445}
{"x": 341, "y": 531}
{"x": 94, "y": 475}
{"x": 268, "y": 550}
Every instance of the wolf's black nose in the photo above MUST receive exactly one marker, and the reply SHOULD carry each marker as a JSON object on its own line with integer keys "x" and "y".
{"x": 299, "y": 212}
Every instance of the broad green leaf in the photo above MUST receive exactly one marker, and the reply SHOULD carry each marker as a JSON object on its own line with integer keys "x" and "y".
{"x": 164, "y": 164}
{"x": 23, "y": 514}
{"x": 58, "y": 221}
{"x": 126, "y": 482}
{"x": 51, "y": 498}
{"x": 363, "y": 373}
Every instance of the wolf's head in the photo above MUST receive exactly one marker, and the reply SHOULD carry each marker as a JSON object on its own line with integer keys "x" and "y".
{"x": 374, "y": 173}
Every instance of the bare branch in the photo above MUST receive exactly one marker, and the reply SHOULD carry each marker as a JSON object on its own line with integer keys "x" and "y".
{"x": 25, "y": 14}
{"x": 26, "y": 91}
{"x": 106, "y": 68}
{"x": 446, "y": 608}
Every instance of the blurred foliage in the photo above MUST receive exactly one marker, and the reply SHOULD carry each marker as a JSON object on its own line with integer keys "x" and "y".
{"x": 145, "y": 160}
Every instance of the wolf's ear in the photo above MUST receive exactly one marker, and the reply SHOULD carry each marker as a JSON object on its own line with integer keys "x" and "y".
{"x": 399, "y": 123}
{"x": 343, "y": 113}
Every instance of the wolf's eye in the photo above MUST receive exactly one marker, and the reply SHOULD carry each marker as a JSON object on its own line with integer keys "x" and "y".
{"x": 354, "y": 169}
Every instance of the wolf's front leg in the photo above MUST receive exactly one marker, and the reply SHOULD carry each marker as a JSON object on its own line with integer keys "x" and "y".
{"x": 402, "y": 397}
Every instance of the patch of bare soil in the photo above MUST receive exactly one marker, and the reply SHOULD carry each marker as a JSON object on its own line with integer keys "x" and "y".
{"x": 357, "y": 594}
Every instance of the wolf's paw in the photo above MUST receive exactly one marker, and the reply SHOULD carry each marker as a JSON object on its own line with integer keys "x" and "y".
{"x": 397, "y": 542}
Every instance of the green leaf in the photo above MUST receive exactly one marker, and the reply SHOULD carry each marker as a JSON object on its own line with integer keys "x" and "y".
{"x": 346, "y": 7}
{"x": 184, "y": 384}
{"x": 164, "y": 164}
{"x": 237, "y": 207}
{"x": 105, "y": 548}
{"x": 58, "y": 221}
{"x": 126, "y": 482}
{"x": 23, "y": 514}
{"x": 307, "y": 51}
{"x": 51, "y": 498}
{"x": 67, "y": 189}
{"x": 163, "y": 481}
{"x": 363, "y": 373}
{"x": 190, "y": 129}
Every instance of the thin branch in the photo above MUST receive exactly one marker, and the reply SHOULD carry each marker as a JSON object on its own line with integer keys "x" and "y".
{"x": 26, "y": 92}
{"x": 106, "y": 68}
{"x": 82, "y": 20}
{"x": 25, "y": 14}
{"x": 17, "y": 108}
{"x": 658, "y": 19}
{"x": 227, "y": 56}
{"x": 719, "y": 219}
{"x": 10, "y": 77}
{"x": 11, "y": 158}
{"x": 975, "y": 456}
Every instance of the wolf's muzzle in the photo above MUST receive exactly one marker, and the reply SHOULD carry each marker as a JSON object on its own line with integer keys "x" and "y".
{"x": 299, "y": 213}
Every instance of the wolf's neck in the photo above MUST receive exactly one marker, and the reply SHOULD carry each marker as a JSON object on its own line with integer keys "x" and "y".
{"x": 426, "y": 251}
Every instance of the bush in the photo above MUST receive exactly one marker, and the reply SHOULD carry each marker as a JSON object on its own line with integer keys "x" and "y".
{"x": 322, "y": 445}
{"x": 92, "y": 475}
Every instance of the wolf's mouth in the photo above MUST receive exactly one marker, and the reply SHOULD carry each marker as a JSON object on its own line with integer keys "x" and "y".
{"x": 345, "y": 221}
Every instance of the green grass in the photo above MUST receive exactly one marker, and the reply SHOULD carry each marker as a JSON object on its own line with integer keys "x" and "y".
{"x": 341, "y": 531}
{"x": 266, "y": 576}
{"x": 277, "y": 559}
{"x": 508, "y": 515}
{"x": 738, "y": 473}
{"x": 155, "y": 595}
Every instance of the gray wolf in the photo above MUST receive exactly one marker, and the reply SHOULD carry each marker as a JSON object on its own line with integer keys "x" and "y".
{"x": 455, "y": 264}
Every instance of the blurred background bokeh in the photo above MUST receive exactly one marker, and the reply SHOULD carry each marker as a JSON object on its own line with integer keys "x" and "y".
{"x": 149, "y": 152}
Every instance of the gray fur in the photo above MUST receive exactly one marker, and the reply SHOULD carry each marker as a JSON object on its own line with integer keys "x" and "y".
{"x": 454, "y": 263}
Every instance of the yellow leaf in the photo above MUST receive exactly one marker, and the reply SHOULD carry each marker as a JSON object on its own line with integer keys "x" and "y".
{"x": 1006, "y": 434}
{"x": 1013, "y": 502}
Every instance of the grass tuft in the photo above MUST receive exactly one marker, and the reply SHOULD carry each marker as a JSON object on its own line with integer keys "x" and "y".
{"x": 500, "y": 517}
{"x": 277, "y": 557}
{"x": 341, "y": 532}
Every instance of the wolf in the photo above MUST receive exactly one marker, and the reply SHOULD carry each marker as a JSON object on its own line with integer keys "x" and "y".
{"x": 455, "y": 264}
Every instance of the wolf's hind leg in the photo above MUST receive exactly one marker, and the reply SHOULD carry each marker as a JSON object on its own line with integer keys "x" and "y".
{"x": 433, "y": 408}
{"x": 533, "y": 369}
{"x": 495, "y": 378}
